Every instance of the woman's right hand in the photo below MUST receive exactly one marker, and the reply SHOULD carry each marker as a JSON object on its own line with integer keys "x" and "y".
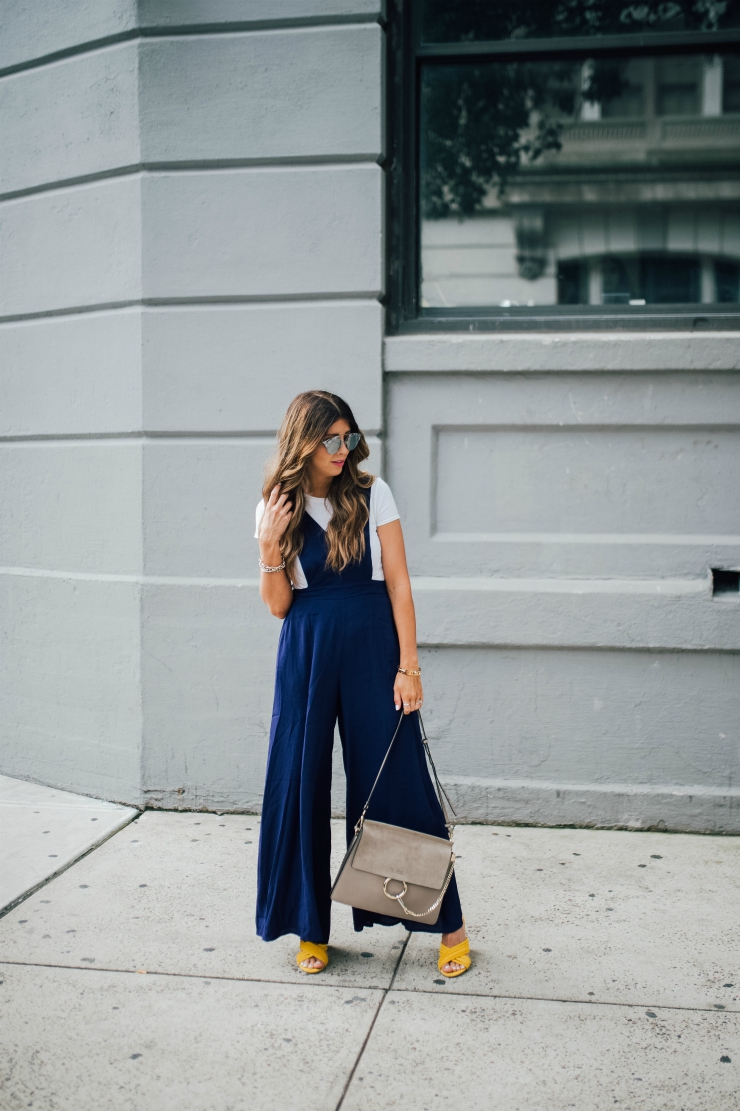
{"x": 275, "y": 519}
{"x": 275, "y": 588}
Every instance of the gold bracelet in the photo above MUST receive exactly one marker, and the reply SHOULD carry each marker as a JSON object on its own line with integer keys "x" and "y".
{"x": 407, "y": 671}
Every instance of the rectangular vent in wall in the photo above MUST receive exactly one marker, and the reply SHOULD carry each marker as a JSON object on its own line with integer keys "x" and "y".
{"x": 725, "y": 582}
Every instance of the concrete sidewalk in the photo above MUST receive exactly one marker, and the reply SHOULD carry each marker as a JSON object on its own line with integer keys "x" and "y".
{"x": 606, "y": 974}
{"x": 43, "y": 830}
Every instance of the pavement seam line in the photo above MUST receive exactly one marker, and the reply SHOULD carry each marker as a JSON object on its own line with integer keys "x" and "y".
{"x": 190, "y": 975}
{"x": 371, "y": 987}
{"x": 371, "y": 1027}
{"x": 709, "y": 1009}
{"x": 60, "y": 871}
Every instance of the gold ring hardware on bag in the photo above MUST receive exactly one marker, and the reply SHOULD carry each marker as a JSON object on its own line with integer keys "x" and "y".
{"x": 400, "y": 894}
{"x": 436, "y": 902}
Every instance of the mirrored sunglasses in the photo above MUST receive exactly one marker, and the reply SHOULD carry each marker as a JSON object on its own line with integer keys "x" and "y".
{"x": 334, "y": 443}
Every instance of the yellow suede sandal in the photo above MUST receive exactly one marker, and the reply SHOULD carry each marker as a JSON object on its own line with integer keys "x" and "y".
{"x": 311, "y": 949}
{"x": 458, "y": 953}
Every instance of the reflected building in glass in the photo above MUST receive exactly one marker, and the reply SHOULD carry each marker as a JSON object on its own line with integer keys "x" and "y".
{"x": 600, "y": 182}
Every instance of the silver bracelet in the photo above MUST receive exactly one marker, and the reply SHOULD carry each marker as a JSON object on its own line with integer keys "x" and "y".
{"x": 264, "y": 567}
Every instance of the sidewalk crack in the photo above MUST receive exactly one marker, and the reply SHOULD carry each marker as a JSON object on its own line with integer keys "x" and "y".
{"x": 15, "y": 903}
{"x": 367, "y": 1037}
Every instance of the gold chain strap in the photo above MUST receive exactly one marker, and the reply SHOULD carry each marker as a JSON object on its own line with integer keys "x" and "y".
{"x": 437, "y": 901}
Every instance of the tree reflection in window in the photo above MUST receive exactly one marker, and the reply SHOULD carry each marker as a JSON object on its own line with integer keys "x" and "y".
{"x": 579, "y": 177}
{"x": 493, "y": 20}
{"x": 482, "y": 123}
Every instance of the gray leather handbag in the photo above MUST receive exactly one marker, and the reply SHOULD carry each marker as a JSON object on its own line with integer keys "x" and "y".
{"x": 392, "y": 870}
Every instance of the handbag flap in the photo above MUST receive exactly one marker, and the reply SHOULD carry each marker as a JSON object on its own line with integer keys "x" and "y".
{"x": 403, "y": 854}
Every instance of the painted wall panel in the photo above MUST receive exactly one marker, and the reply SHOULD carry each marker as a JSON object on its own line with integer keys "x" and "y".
{"x": 607, "y": 400}
{"x": 71, "y": 374}
{"x": 208, "y": 659}
{"x": 234, "y": 368}
{"x": 75, "y": 506}
{"x": 606, "y": 718}
{"x": 33, "y": 28}
{"x": 587, "y": 479}
{"x": 606, "y": 541}
{"x": 199, "y": 501}
{"x": 263, "y": 232}
{"x": 71, "y": 118}
{"x": 70, "y": 701}
{"x": 71, "y": 247}
{"x": 304, "y": 93}
{"x": 643, "y": 497}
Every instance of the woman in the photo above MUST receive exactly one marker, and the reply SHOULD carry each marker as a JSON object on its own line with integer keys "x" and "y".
{"x": 334, "y": 567}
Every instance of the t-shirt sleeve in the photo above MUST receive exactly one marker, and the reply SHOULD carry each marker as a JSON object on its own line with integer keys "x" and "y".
{"x": 385, "y": 506}
{"x": 258, "y": 515}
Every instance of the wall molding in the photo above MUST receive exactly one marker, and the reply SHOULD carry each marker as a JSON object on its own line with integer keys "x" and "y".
{"x": 144, "y": 31}
{"x": 184, "y": 302}
{"x": 676, "y": 809}
{"x": 670, "y": 615}
{"x": 191, "y": 165}
{"x": 527, "y": 802}
{"x": 620, "y": 614}
{"x": 563, "y": 353}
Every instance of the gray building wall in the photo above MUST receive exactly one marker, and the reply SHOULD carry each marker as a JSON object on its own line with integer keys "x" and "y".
{"x": 192, "y": 232}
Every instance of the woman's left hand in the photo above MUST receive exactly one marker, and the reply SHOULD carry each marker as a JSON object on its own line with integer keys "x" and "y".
{"x": 407, "y": 692}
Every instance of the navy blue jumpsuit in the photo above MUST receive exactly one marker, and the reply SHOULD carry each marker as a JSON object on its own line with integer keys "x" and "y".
{"x": 337, "y": 660}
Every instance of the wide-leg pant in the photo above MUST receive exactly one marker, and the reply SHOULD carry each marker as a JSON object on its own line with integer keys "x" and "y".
{"x": 337, "y": 661}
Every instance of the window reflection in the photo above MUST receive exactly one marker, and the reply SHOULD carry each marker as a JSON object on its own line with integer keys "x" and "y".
{"x": 607, "y": 182}
{"x": 492, "y": 20}
{"x": 629, "y": 101}
{"x": 677, "y": 87}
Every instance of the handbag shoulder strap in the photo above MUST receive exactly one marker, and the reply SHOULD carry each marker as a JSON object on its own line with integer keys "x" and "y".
{"x": 440, "y": 789}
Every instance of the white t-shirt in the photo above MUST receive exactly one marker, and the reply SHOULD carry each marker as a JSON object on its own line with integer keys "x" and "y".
{"x": 382, "y": 512}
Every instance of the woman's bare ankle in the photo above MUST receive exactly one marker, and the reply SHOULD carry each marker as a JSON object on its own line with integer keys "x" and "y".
{"x": 454, "y": 938}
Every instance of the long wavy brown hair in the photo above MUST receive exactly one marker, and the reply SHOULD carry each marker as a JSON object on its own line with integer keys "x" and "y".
{"x": 305, "y": 425}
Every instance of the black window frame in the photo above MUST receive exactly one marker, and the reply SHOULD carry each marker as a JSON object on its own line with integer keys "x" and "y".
{"x": 406, "y": 54}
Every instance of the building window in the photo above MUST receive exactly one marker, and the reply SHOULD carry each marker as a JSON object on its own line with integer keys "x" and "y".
{"x": 571, "y": 161}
